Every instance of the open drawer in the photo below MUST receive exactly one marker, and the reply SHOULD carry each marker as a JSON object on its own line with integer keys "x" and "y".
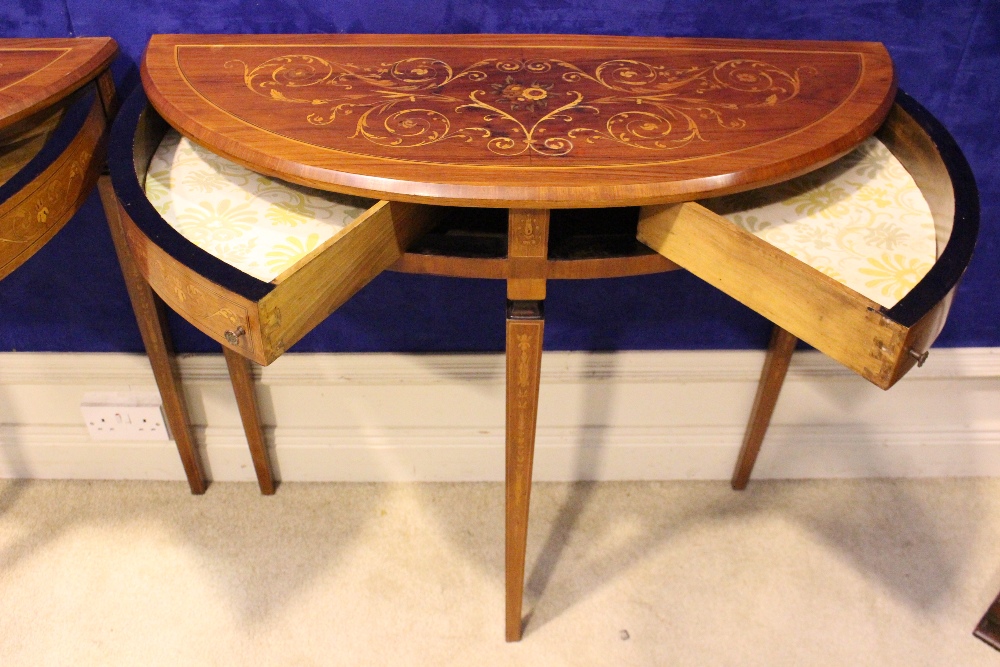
{"x": 258, "y": 307}
{"x": 20, "y": 143}
{"x": 55, "y": 98}
{"x": 49, "y": 164}
{"x": 882, "y": 333}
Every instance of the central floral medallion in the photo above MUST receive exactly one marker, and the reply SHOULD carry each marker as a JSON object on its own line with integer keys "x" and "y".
{"x": 520, "y": 96}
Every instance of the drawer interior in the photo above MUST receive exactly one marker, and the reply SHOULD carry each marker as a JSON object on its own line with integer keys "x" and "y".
{"x": 252, "y": 261}
{"x": 49, "y": 163}
{"x": 20, "y": 143}
{"x": 881, "y": 317}
{"x": 263, "y": 226}
{"x": 578, "y": 233}
{"x": 862, "y": 220}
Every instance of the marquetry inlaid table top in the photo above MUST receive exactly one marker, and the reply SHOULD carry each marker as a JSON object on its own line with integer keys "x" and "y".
{"x": 521, "y": 121}
{"x": 36, "y": 73}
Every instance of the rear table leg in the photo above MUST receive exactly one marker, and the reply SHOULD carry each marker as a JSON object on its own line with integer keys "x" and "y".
{"x": 779, "y": 354}
{"x": 989, "y": 626}
{"x": 109, "y": 96}
{"x": 241, "y": 376}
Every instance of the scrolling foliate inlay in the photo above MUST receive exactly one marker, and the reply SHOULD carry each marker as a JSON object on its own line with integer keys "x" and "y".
{"x": 546, "y": 106}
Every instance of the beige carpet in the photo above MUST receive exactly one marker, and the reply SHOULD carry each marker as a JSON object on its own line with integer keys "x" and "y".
{"x": 786, "y": 573}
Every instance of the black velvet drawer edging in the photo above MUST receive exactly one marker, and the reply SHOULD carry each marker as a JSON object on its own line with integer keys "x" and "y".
{"x": 950, "y": 266}
{"x": 132, "y": 197}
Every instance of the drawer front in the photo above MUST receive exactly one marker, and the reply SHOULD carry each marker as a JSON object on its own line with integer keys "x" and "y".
{"x": 224, "y": 316}
{"x": 920, "y": 337}
{"x": 262, "y": 328}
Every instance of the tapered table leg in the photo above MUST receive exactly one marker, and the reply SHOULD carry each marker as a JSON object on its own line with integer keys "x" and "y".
{"x": 524, "y": 358}
{"x": 779, "y": 354}
{"x": 241, "y": 376}
{"x": 527, "y": 250}
{"x": 150, "y": 314}
{"x": 989, "y": 626}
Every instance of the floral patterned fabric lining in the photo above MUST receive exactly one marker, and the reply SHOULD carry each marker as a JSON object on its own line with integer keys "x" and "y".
{"x": 260, "y": 225}
{"x": 861, "y": 220}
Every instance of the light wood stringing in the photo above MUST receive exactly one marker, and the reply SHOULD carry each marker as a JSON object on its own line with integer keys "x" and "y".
{"x": 73, "y": 63}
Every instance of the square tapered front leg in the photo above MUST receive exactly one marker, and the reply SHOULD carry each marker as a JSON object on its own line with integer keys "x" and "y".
{"x": 527, "y": 252}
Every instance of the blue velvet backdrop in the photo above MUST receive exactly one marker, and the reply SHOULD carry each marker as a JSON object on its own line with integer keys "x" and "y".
{"x": 70, "y": 296}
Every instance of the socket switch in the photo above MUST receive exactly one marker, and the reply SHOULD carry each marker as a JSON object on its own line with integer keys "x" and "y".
{"x": 124, "y": 416}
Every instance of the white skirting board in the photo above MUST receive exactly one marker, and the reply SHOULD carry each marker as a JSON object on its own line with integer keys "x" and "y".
{"x": 607, "y": 416}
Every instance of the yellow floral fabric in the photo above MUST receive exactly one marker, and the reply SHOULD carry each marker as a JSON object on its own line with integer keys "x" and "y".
{"x": 861, "y": 220}
{"x": 260, "y": 225}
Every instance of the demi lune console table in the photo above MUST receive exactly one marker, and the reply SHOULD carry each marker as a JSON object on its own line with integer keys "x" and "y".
{"x": 57, "y": 99}
{"x": 522, "y": 158}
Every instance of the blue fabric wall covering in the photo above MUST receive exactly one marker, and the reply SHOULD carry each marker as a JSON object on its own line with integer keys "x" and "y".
{"x": 70, "y": 296}
{"x": 34, "y": 18}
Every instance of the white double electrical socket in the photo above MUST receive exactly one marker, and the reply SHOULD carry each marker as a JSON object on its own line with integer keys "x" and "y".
{"x": 124, "y": 416}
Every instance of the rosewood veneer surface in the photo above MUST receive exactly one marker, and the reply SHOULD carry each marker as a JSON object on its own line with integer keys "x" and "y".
{"x": 542, "y": 121}
{"x": 37, "y": 73}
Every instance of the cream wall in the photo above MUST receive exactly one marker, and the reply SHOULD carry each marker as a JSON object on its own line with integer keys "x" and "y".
{"x": 633, "y": 415}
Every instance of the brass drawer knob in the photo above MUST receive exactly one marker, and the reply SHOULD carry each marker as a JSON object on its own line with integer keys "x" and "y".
{"x": 921, "y": 358}
{"x": 233, "y": 336}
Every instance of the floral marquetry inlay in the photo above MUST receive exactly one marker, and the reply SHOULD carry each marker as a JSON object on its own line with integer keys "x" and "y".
{"x": 521, "y": 104}
{"x": 531, "y": 121}
{"x": 544, "y": 105}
